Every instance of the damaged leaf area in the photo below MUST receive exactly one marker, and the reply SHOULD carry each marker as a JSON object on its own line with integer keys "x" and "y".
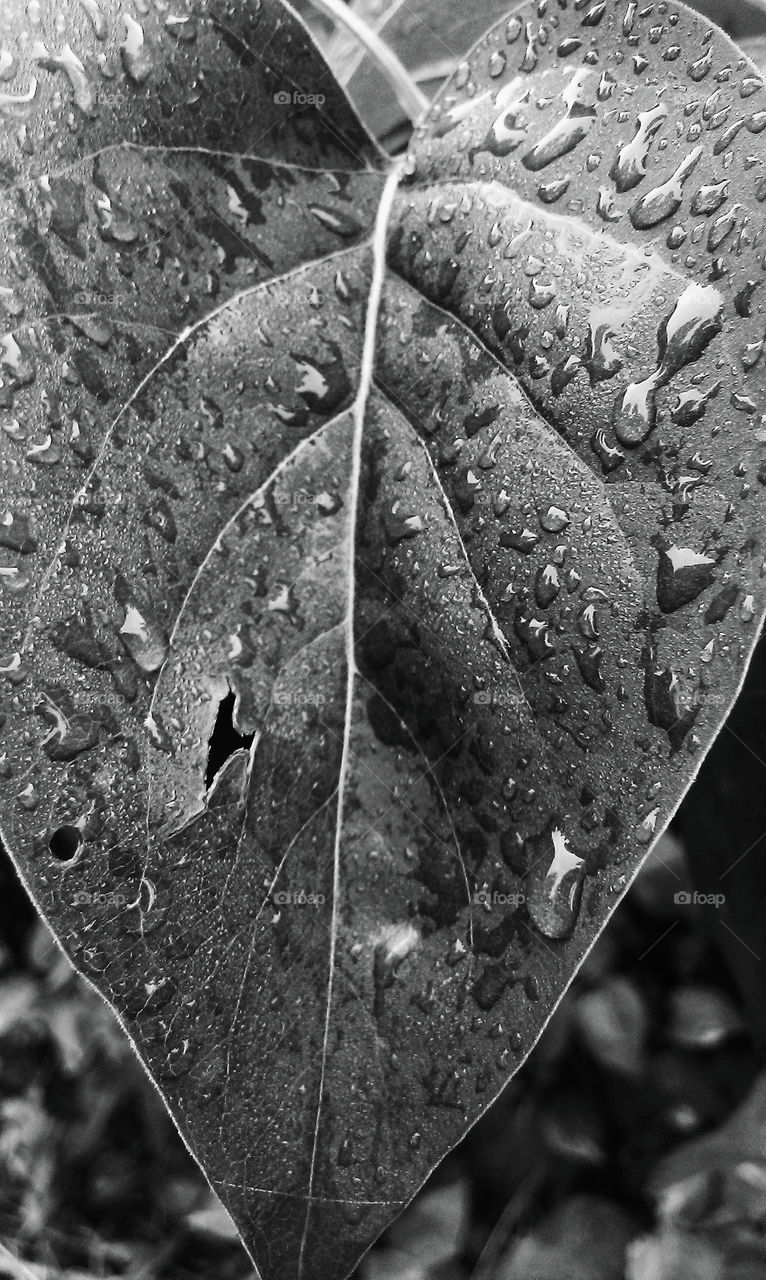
{"x": 380, "y": 551}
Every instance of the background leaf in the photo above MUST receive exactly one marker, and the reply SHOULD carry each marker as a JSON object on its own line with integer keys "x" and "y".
{"x": 723, "y": 824}
{"x": 430, "y": 37}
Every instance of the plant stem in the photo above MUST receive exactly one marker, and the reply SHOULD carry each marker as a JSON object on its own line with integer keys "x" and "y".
{"x": 410, "y": 97}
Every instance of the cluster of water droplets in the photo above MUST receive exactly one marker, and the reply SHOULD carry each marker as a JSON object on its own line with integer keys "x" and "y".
{"x": 601, "y": 233}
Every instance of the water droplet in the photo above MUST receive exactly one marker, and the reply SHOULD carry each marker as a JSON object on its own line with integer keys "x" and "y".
{"x": 10, "y": 102}
{"x": 662, "y": 202}
{"x": 589, "y": 659}
{"x": 324, "y": 385}
{"x": 401, "y": 524}
{"x": 82, "y": 86}
{"x": 508, "y": 130}
{"x": 692, "y": 404}
{"x": 96, "y": 17}
{"x": 722, "y": 228}
{"x": 181, "y": 27}
{"x": 497, "y": 64}
{"x": 565, "y": 372}
{"x": 682, "y": 575}
{"x": 547, "y": 585}
{"x": 524, "y": 540}
{"x": 541, "y": 294}
{"x": 569, "y": 132}
{"x": 629, "y": 167}
{"x": 28, "y": 798}
{"x": 629, "y": 18}
{"x": 135, "y": 57}
{"x": 554, "y": 519}
{"x": 744, "y": 297}
{"x": 17, "y": 533}
{"x": 708, "y": 199}
{"x": 529, "y": 61}
{"x": 73, "y": 732}
{"x": 682, "y": 339}
{"x": 601, "y": 358}
{"x": 45, "y": 454}
{"x": 554, "y": 887}
{"x": 144, "y": 640}
{"x": 588, "y": 622}
{"x": 647, "y": 827}
{"x": 701, "y": 66}
{"x": 609, "y": 455}
{"x": 671, "y": 699}
{"x": 550, "y": 192}
{"x": 606, "y": 207}
{"x": 535, "y": 634}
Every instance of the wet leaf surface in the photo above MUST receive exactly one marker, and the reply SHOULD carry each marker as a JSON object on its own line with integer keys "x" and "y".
{"x": 430, "y": 36}
{"x": 344, "y": 696}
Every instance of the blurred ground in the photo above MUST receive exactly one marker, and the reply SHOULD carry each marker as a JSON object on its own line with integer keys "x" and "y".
{"x": 591, "y": 1165}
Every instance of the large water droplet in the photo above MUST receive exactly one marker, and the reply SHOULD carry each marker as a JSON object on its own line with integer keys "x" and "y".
{"x": 708, "y": 199}
{"x": 663, "y": 201}
{"x": 135, "y": 56}
{"x": 682, "y": 575}
{"x": 629, "y": 167}
{"x": 554, "y": 887}
{"x": 82, "y": 86}
{"x": 17, "y": 533}
{"x": 682, "y": 339}
{"x": 569, "y": 132}
{"x": 144, "y": 640}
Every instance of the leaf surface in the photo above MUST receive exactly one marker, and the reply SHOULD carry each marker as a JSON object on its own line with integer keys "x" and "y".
{"x": 362, "y": 627}
{"x": 430, "y": 37}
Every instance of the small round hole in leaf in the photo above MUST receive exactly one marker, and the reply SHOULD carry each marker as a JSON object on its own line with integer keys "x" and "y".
{"x": 65, "y": 843}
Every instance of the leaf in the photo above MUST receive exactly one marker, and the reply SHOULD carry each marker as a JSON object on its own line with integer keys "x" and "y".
{"x": 711, "y": 1189}
{"x": 430, "y": 37}
{"x": 364, "y": 628}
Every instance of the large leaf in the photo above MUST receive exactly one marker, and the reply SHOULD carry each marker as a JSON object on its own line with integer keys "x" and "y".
{"x": 361, "y": 633}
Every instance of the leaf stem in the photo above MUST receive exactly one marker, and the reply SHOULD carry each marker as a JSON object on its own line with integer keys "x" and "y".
{"x": 410, "y": 97}
{"x": 359, "y": 411}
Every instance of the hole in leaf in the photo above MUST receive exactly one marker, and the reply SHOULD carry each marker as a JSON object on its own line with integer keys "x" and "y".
{"x": 224, "y": 740}
{"x": 65, "y": 843}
